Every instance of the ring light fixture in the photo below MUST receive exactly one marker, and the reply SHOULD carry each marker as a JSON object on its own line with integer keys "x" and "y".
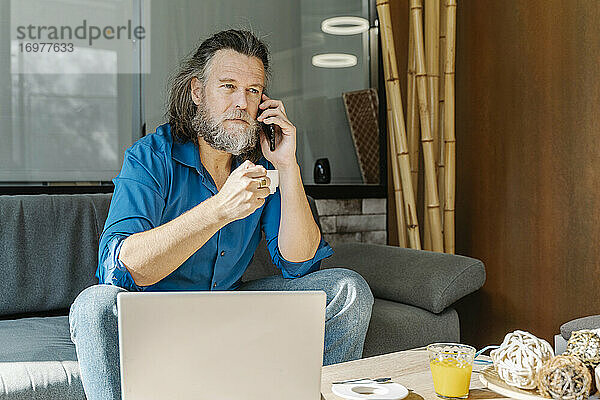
{"x": 344, "y": 25}
{"x": 334, "y": 60}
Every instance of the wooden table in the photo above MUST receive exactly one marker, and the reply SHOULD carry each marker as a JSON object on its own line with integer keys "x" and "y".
{"x": 409, "y": 368}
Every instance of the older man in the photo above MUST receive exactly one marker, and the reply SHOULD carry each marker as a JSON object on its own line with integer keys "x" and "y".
{"x": 190, "y": 203}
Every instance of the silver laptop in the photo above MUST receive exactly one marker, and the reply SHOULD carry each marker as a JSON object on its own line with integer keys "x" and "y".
{"x": 243, "y": 345}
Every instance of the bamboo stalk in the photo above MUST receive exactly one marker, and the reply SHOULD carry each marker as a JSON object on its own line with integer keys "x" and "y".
{"x": 427, "y": 226}
{"x": 432, "y": 15}
{"x": 399, "y": 129}
{"x": 398, "y": 195}
{"x": 449, "y": 134}
{"x": 426, "y": 223}
{"x": 432, "y": 205}
{"x": 441, "y": 160}
{"x": 432, "y": 64}
{"x": 412, "y": 117}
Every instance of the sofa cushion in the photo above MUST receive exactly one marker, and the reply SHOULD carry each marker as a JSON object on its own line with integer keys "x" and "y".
{"x": 395, "y": 327}
{"x": 38, "y": 360}
{"x": 48, "y": 249}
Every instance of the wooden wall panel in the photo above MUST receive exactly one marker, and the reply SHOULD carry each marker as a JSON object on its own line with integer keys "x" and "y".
{"x": 528, "y": 161}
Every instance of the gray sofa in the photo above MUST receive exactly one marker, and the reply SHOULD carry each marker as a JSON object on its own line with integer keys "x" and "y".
{"x": 49, "y": 246}
{"x": 591, "y": 322}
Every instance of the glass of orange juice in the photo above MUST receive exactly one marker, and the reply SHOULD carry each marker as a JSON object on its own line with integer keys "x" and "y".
{"x": 451, "y": 365}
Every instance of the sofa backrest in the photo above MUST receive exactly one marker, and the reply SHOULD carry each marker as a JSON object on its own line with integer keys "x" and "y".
{"x": 49, "y": 250}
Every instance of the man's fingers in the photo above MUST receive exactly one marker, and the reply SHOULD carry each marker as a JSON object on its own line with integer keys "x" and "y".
{"x": 263, "y": 193}
{"x": 262, "y": 187}
{"x": 255, "y": 172}
{"x": 263, "y": 182}
{"x": 272, "y": 104}
{"x": 245, "y": 165}
{"x": 258, "y": 183}
{"x": 248, "y": 168}
{"x": 273, "y": 112}
{"x": 268, "y": 113}
{"x": 283, "y": 123}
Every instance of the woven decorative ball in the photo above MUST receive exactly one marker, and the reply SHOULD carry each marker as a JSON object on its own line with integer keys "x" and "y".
{"x": 585, "y": 345}
{"x": 520, "y": 357}
{"x": 564, "y": 377}
{"x": 597, "y": 376}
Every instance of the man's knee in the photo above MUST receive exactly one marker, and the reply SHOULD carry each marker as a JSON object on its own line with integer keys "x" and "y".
{"x": 352, "y": 282}
{"x": 94, "y": 305}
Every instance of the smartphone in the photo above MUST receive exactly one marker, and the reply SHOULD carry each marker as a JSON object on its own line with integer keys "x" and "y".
{"x": 269, "y": 131}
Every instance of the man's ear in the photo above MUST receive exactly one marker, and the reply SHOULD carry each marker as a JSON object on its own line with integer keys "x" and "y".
{"x": 196, "y": 88}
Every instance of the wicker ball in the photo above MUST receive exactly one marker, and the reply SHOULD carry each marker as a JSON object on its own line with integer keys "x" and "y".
{"x": 520, "y": 357}
{"x": 564, "y": 377}
{"x": 597, "y": 377}
{"x": 585, "y": 345}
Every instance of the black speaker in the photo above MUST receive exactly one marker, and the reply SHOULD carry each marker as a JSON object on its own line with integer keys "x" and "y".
{"x": 322, "y": 171}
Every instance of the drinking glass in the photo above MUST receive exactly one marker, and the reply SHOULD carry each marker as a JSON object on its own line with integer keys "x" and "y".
{"x": 451, "y": 365}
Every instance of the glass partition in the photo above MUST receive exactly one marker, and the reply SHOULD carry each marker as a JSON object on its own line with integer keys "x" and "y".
{"x": 66, "y": 112}
{"x": 312, "y": 95}
{"x": 70, "y": 119}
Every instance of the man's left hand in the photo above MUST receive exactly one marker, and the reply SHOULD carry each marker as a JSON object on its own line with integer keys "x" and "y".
{"x": 285, "y": 151}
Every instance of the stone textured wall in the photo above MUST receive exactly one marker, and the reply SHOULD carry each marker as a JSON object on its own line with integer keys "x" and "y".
{"x": 353, "y": 220}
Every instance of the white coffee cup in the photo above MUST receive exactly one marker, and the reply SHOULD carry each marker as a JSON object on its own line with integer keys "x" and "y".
{"x": 273, "y": 175}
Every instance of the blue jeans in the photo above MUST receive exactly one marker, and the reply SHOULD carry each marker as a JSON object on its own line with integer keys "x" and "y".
{"x": 93, "y": 324}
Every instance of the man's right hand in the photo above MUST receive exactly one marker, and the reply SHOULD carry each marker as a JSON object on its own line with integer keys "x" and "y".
{"x": 240, "y": 195}
{"x": 153, "y": 254}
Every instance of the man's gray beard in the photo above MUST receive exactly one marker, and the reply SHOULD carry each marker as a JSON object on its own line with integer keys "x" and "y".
{"x": 242, "y": 140}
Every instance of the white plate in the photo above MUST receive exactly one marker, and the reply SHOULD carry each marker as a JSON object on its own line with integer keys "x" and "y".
{"x": 370, "y": 390}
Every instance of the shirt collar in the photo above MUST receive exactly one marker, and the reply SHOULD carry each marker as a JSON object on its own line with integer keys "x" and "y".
{"x": 188, "y": 155}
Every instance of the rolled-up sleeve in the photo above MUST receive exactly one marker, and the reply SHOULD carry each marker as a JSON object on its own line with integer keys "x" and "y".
{"x": 137, "y": 205}
{"x": 270, "y": 220}
{"x": 112, "y": 271}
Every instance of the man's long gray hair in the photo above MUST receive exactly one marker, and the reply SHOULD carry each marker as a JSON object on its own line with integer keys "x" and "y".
{"x": 181, "y": 109}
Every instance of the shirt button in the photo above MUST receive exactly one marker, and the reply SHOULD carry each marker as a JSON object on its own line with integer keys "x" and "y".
{"x": 222, "y": 253}
{"x": 215, "y": 284}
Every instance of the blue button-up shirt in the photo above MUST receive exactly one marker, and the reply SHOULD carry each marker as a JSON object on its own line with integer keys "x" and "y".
{"x": 160, "y": 180}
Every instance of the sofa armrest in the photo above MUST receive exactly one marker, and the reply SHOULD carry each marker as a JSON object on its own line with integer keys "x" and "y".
{"x": 591, "y": 322}
{"x": 425, "y": 279}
